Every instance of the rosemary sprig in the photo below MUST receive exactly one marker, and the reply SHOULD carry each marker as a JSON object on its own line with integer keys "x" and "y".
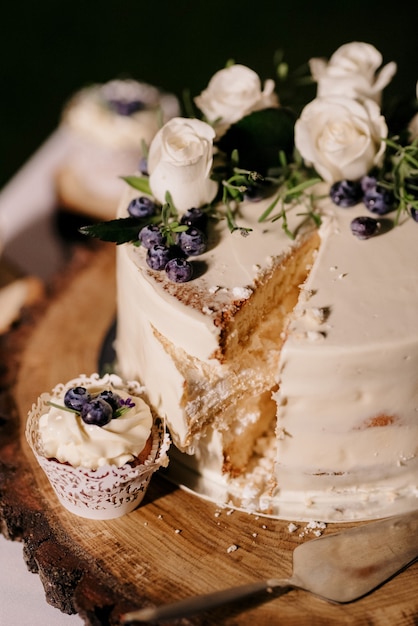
{"x": 400, "y": 175}
{"x": 233, "y": 190}
{"x": 62, "y": 407}
{"x": 293, "y": 180}
{"x": 170, "y": 223}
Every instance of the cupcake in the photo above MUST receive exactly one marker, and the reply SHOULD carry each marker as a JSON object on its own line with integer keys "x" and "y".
{"x": 98, "y": 443}
{"x": 107, "y": 127}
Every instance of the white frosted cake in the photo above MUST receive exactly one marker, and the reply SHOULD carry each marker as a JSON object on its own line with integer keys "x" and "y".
{"x": 107, "y": 126}
{"x": 286, "y": 364}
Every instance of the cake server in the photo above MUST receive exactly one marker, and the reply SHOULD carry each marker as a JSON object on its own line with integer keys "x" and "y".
{"x": 341, "y": 567}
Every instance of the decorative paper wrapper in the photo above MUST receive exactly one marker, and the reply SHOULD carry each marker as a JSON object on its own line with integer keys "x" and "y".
{"x": 109, "y": 491}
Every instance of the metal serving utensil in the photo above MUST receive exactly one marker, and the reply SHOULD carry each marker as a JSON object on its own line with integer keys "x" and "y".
{"x": 340, "y": 568}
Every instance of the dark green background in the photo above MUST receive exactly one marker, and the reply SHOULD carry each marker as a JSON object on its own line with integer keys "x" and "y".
{"x": 51, "y": 48}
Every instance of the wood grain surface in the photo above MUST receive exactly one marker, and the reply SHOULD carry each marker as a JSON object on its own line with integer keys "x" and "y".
{"x": 173, "y": 546}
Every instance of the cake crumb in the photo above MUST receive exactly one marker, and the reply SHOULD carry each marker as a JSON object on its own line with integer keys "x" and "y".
{"x": 207, "y": 310}
{"x": 314, "y": 335}
{"x": 306, "y": 294}
{"x": 232, "y": 548}
{"x": 315, "y": 528}
{"x": 292, "y": 527}
{"x": 316, "y": 315}
{"x": 177, "y": 531}
{"x": 241, "y": 293}
{"x": 313, "y": 524}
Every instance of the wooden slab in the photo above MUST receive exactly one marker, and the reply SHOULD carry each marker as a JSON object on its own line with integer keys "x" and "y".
{"x": 175, "y": 545}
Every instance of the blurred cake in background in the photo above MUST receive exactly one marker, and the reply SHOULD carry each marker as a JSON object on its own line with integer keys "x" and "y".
{"x": 108, "y": 127}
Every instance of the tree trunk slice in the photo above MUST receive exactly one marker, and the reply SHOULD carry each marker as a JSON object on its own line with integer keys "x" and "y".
{"x": 175, "y": 544}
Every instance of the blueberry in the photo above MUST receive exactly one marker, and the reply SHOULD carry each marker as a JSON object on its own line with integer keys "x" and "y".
{"x": 253, "y": 193}
{"x": 257, "y": 191}
{"x": 195, "y": 217}
{"x": 378, "y": 200}
{"x": 151, "y": 235}
{"x": 414, "y": 214}
{"x": 158, "y": 256}
{"x": 97, "y": 412}
{"x": 111, "y": 398}
{"x": 346, "y": 193}
{"x": 125, "y": 107}
{"x": 179, "y": 270}
{"x": 76, "y": 397}
{"x": 364, "y": 227}
{"x": 192, "y": 241}
{"x": 141, "y": 207}
{"x": 143, "y": 166}
{"x": 368, "y": 182}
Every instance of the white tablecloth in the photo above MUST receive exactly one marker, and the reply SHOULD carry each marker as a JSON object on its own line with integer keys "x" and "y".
{"x": 22, "y": 597}
{"x": 27, "y": 203}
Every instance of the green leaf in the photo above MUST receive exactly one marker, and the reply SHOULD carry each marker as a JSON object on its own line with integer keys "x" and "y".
{"x": 138, "y": 182}
{"x": 269, "y": 209}
{"x": 121, "y": 411}
{"x": 300, "y": 188}
{"x": 120, "y": 230}
{"x": 62, "y": 407}
{"x": 259, "y": 137}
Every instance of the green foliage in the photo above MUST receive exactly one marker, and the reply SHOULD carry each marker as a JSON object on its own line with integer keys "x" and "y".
{"x": 259, "y": 138}
{"x": 400, "y": 175}
{"x": 121, "y": 230}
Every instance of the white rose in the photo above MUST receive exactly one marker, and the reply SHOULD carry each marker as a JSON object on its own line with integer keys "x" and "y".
{"x": 352, "y": 72}
{"x": 341, "y": 137}
{"x": 180, "y": 160}
{"x": 232, "y": 93}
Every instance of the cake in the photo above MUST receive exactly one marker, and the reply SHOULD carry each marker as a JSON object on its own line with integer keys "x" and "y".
{"x": 98, "y": 443}
{"x": 283, "y": 352}
{"x": 108, "y": 128}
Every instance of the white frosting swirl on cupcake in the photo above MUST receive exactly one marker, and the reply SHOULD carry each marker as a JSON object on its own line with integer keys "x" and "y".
{"x": 67, "y": 438}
